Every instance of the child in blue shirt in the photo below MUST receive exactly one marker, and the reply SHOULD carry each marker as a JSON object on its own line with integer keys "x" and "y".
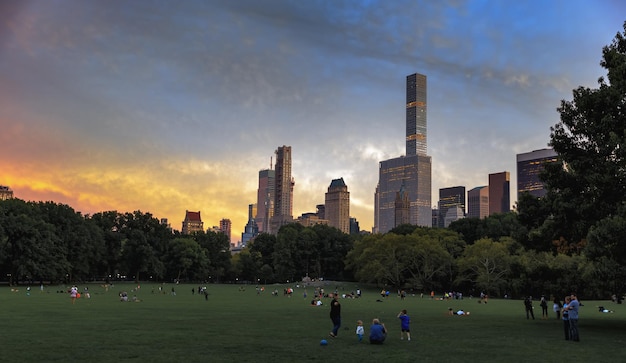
{"x": 405, "y": 320}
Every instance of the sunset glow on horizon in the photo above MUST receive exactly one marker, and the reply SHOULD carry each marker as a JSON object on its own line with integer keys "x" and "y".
{"x": 162, "y": 108}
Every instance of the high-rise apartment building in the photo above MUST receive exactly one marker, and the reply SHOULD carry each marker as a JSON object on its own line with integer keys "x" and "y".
{"x": 5, "y": 193}
{"x": 529, "y": 166}
{"x": 478, "y": 202}
{"x": 416, "y": 115}
{"x": 283, "y": 190}
{"x": 251, "y": 229}
{"x": 265, "y": 200}
{"x": 412, "y": 170}
{"x": 354, "y": 226}
{"x": 499, "y": 192}
{"x": 450, "y": 198}
{"x": 192, "y": 223}
{"x": 337, "y": 205}
{"x": 225, "y": 227}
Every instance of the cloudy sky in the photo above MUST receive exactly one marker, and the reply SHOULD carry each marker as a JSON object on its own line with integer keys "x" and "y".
{"x": 163, "y": 106}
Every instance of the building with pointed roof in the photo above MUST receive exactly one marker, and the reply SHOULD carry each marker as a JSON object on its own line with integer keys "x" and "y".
{"x": 192, "y": 223}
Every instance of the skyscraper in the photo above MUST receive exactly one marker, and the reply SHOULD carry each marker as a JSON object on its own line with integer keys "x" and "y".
{"x": 529, "y": 165}
{"x": 337, "y": 205}
{"x": 225, "y": 227}
{"x": 412, "y": 170}
{"x": 251, "y": 229}
{"x": 416, "y": 114}
{"x": 478, "y": 202}
{"x": 450, "y": 198}
{"x": 283, "y": 190}
{"x": 265, "y": 199}
{"x": 499, "y": 192}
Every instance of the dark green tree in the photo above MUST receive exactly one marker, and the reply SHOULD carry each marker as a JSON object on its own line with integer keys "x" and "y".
{"x": 264, "y": 244}
{"x": 82, "y": 239}
{"x": 109, "y": 223}
{"x": 470, "y": 229}
{"x": 217, "y": 248}
{"x": 186, "y": 260}
{"x": 590, "y": 183}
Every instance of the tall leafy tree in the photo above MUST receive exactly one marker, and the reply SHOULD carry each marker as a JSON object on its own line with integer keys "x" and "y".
{"x": 30, "y": 247}
{"x": 486, "y": 263}
{"x": 217, "y": 249}
{"x": 109, "y": 223}
{"x": 82, "y": 239}
{"x": 185, "y": 259}
{"x": 590, "y": 139}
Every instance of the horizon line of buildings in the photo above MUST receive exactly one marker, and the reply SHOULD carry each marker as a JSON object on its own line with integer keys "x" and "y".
{"x": 402, "y": 195}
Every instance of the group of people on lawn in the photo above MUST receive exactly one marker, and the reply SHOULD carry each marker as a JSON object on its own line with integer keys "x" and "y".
{"x": 378, "y": 331}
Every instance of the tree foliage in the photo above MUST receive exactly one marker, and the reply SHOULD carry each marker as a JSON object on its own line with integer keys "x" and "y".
{"x": 590, "y": 183}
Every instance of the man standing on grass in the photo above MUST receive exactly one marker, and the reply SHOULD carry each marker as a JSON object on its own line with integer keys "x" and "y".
{"x": 528, "y": 304}
{"x": 335, "y": 315}
{"x": 573, "y": 318}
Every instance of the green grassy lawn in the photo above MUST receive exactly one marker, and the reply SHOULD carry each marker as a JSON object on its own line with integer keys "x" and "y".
{"x": 241, "y": 326}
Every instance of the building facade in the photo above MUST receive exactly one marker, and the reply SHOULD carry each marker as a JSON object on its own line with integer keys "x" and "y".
{"x": 251, "y": 229}
{"x": 225, "y": 227}
{"x": 529, "y": 166}
{"x": 453, "y": 214}
{"x": 283, "y": 190}
{"x": 450, "y": 198}
{"x": 192, "y": 223}
{"x": 478, "y": 202}
{"x": 412, "y": 170}
{"x": 337, "y": 205}
{"x": 402, "y": 207}
{"x": 5, "y": 193}
{"x": 499, "y": 192}
{"x": 265, "y": 199}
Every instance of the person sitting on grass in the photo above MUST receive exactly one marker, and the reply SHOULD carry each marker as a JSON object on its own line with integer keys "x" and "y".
{"x": 378, "y": 332}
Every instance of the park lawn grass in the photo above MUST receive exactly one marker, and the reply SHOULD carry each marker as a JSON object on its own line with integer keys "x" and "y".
{"x": 243, "y": 326}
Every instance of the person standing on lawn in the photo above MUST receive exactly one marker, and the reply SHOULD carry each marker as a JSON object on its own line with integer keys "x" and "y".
{"x": 528, "y": 304}
{"x": 405, "y": 321}
{"x": 565, "y": 317}
{"x": 335, "y": 315}
{"x": 573, "y": 318}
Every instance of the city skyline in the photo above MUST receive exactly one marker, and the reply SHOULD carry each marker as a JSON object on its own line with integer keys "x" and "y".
{"x": 143, "y": 106}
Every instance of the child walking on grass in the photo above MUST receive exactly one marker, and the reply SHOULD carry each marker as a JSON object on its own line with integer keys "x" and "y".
{"x": 360, "y": 331}
{"x": 405, "y": 320}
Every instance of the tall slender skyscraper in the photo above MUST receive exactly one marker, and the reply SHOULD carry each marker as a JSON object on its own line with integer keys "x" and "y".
{"x": 416, "y": 141}
{"x": 265, "y": 200}
{"x": 529, "y": 166}
{"x": 499, "y": 192}
{"x": 337, "y": 205}
{"x": 412, "y": 170}
{"x": 283, "y": 190}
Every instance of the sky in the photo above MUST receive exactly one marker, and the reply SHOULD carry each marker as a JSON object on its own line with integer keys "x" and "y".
{"x": 163, "y": 107}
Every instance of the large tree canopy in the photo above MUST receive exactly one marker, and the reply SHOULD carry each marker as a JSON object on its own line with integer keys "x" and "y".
{"x": 590, "y": 183}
